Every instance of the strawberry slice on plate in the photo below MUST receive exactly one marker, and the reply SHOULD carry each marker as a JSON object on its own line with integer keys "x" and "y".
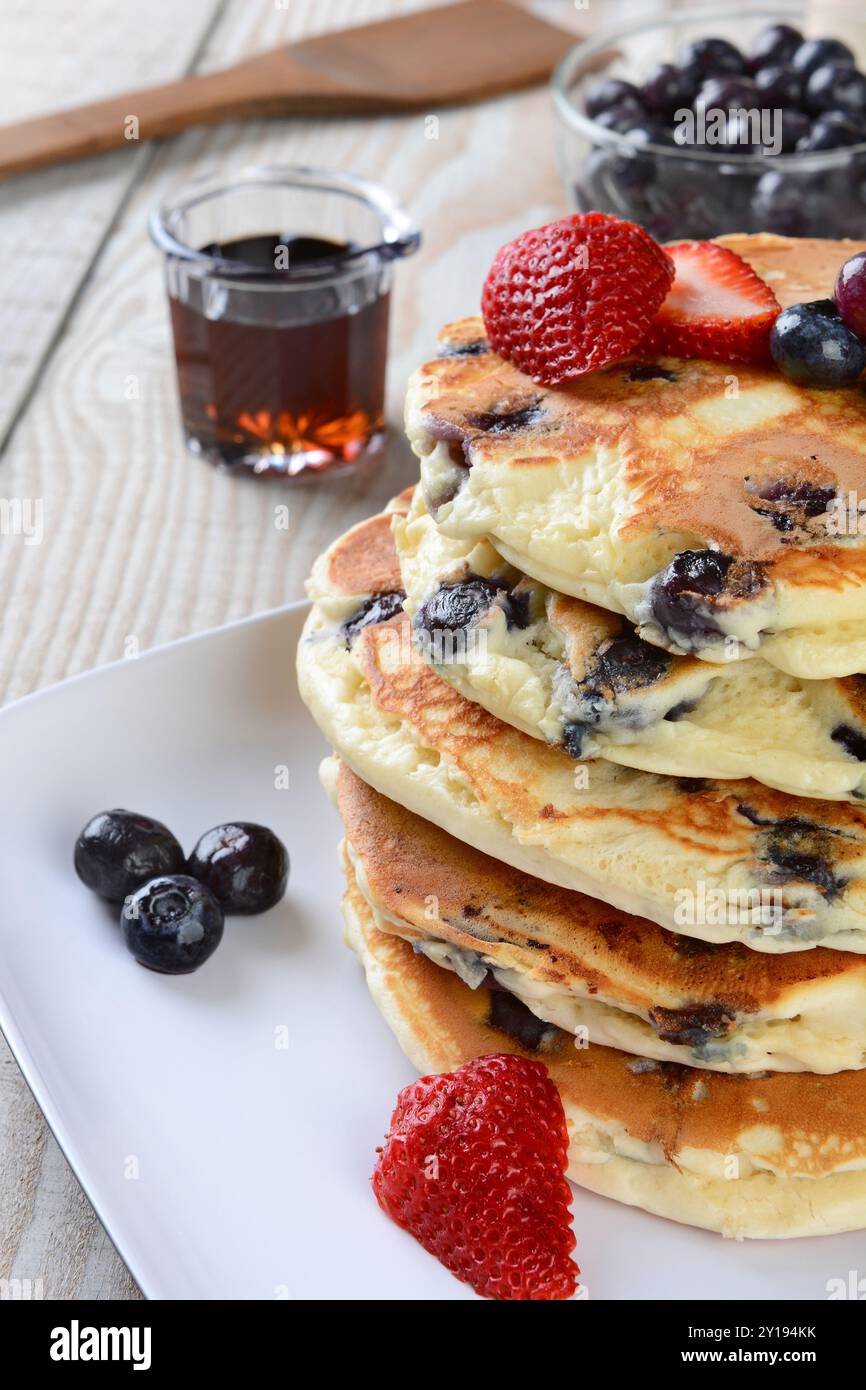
{"x": 717, "y": 307}
{"x": 474, "y": 1168}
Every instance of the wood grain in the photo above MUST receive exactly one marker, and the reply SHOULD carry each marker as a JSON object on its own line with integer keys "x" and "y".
{"x": 141, "y": 540}
{"x": 52, "y": 225}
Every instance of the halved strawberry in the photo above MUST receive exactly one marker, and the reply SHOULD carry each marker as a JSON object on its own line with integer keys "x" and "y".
{"x": 717, "y": 307}
{"x": 474, "y": 1167}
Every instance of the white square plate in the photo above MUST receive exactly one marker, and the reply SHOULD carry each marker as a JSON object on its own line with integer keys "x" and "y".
{"x": 224, "y": 1123}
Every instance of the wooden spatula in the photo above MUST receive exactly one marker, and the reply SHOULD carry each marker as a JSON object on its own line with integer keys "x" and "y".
{"x": 422, "y": 61}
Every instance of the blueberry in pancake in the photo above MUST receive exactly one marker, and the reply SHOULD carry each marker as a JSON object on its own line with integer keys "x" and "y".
{"x": 582, "y": 678}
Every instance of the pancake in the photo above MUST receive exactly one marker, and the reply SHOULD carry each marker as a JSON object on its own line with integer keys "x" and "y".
{"x": 580, "y": 677}
{"x": 598, "y": 974}
{"x": 773, "y": 1156}
{"x": 720, "y": 861}
{"x": 595, "y": 487}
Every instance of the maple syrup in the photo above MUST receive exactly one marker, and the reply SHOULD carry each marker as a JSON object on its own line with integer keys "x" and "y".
{"x": 283, "y": 370}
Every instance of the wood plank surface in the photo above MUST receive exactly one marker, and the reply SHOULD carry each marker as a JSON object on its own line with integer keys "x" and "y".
{"x": 141, "y": 540}
{"x": 52, "y": 224}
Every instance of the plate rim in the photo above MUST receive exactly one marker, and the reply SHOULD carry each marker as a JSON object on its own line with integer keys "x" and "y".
{"x": 267, "y": 614}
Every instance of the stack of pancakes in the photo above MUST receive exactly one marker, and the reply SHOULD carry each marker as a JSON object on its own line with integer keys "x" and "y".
{"x": 600, "y": 733}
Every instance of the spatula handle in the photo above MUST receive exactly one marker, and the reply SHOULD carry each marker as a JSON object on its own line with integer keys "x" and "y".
{"x": 270, "y": 84}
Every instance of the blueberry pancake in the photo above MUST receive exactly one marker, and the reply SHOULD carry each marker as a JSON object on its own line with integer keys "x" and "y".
{"x": 580, "y": 677}
{"x": 748, "y": 1156}
{"x": 708, "y": 503}
{"x": 598, "y": 974}
{"x": 721, "y": 861}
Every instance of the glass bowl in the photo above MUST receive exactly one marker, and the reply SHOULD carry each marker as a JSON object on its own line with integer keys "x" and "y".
{"x": 694, "y": 190}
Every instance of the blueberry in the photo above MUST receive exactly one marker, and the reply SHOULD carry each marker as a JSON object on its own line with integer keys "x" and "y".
{"x": 616, "y": 183}
{"x": 609, "y": 92}
{"x": 779, "y": 86}
{"x": 624, "y": 664}
{"x": 778, "y": 204}
{"x": 811, "y": 346}
{"x": 776, "y": 44}
{"x": 455, "y": 607}
{"x": 477, "y": 348}
{"x": 799, "y": 850}
{"x": 813, "y": 53}
{"x": 685, "y": 593}
{"x": 592, "y": 190}
{"x": 118, "y": 851}
{"x": 625, "y": 113}
{"x": 793, "y": 502}
{"x": 795, "y": 124}
{"x": 379, "y": 608}
{"x": 828, "y": 307}
{"x": 742, "y": 135}
{"x": 831, "y": 131}
{"x": 518, "y": 608}
{"x": 837, "y": 87}
{"x": 850, "y": 293}
{"x": 172, "y": 924}
{"x": 573, "y": 737}
{"x": 694, "y": 1026}
{"x": 698, "y": 572}
{"x": 507, "y": 421}
{"x": 693, "y": 202}
{"x": 649, "y": 133}
{"x": 852, "y": 740}
{"x": 731, "y": 199}
{"x": 511, "y": 1016}
{"x": 650, "y": 371}
{"x": 725, "y": 94}
{"x": 712, "y": 56}
{"x": 244, "y": 865}
{"x": 680, "y": 710}
{"x": 792, "y": 204}
{"x": 669, "y": 88}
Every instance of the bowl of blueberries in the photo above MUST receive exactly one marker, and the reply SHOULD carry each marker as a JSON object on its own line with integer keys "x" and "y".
{"x": 711, "y": 121}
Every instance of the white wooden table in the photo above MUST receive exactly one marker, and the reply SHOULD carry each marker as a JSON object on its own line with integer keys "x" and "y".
{"x": 141, "y": 541}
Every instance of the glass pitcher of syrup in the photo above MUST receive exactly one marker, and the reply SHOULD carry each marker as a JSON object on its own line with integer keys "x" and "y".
{"x": 279, "y": 283}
